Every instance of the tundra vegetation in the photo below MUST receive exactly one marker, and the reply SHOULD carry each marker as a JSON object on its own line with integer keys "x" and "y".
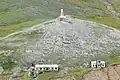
{"x": 17, "y": 15}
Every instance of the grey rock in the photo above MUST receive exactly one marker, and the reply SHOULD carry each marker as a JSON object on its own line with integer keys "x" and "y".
{"x": 1, "y": 69}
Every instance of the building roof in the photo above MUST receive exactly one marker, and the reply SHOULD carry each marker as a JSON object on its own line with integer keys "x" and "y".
{"x": 102, "y": 61}
{"x": 46, "y": 65}
{"x": 94, "y": 62}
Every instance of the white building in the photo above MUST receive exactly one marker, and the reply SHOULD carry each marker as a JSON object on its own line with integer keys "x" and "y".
{"x": 97, "y": 64}
{"x": 47, "y": 67}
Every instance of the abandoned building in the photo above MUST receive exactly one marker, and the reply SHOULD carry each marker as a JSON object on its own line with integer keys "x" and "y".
{"x": 97, "y": 64}
{"x": 46, "y": 67}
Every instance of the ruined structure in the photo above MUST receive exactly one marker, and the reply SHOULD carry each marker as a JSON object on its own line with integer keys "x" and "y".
{"x": 97, "y": 64}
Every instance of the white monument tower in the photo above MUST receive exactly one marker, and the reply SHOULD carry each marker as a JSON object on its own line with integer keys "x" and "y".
{"x": 62, "y": 16}
{"x": 62, "y": 12}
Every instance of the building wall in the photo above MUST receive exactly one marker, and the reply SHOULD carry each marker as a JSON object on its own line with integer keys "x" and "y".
{"x": 97, "y": 64}
{"x": 49, "y": 68}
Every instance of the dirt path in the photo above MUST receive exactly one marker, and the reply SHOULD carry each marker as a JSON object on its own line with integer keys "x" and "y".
{"x": 28, "y": 29}
{"x": 39, "y": 26}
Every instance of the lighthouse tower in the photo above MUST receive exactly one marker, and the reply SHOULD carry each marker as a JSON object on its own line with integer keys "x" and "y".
{"x": 62, "y": 16}
{"x": 62, "y": 12}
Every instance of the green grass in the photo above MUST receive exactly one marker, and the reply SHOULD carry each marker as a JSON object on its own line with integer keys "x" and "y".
{"x": 80, "y": 72}
{"x": 8, "y": 65}
{"x": 115, "y": 58}
{"x": 32, "y": 35}
{"x": 25, "y": 77}
{"x": 6, "y": 30}
{"x": 115, "y": 61}
{"x": 47, "y": 76}
{"x": 110, "y": 21}
{"x": 6, "y": 62}
{"x": 116, "y": 4}
{"x": 43, "y": 76}
{"x": 7, "y": 18}
{"x": 97, "y": 12}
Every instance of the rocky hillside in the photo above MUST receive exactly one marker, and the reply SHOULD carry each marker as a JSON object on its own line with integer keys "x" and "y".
{"x": 18, "y": 14}
{"x": 90, "y": 32}
{"x": 71, "y": 42}
{"x": 104, "y": 74}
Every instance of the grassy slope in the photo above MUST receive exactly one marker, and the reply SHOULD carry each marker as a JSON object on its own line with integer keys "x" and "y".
{"x": 110, "y": 21}
{"x": 78, "y": 73}
{"x": 17, "y": 14}
{"x": 15, "y": 27}
{"x": 116, "y": 4}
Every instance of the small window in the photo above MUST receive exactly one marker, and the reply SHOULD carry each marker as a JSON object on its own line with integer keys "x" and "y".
{"x": 56, "y": 68}
{"x": 94, "y": 65}
{"x": 103, "y": 65}
{"x": 40, "y": 68}
{"x": 52, "y": 68}
{"x": 98, "y": 65}
{"x": 33, "y": 65}
{"x": 44, "y": 68}
{"x": 99, "y": 61}
{"x": 47, "y": 68}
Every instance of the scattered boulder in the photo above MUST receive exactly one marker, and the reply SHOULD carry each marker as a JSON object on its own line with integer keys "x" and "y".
{"x": 16, "y": 73}
{"x": 1, "y": 69}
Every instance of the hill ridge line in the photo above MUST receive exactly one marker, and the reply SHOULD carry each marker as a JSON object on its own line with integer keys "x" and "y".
{"x": 41, "y": 24}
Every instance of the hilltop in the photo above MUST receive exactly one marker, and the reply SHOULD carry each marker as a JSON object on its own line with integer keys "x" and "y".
{"x": 16, "y": 15}
{"x": 51, "y": 41}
